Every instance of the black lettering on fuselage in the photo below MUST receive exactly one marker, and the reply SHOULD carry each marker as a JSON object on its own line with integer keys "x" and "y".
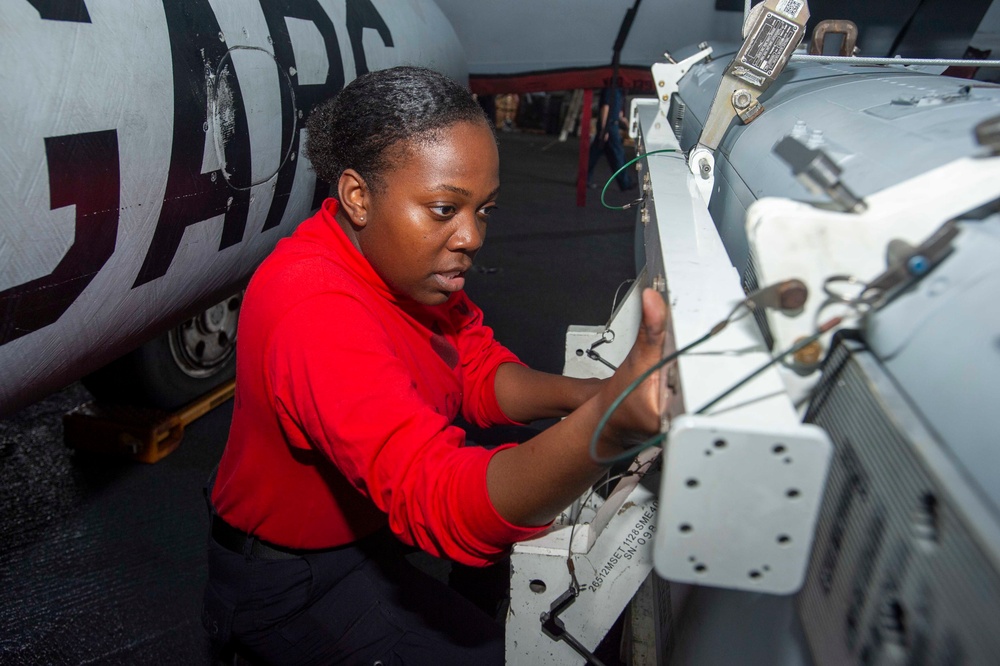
{"x": 362, "y": 14}
{"x": 83, "y": 170}
{"x": 62, "y": 10}
{"x": 306, "y": 96}
{"x": 191, "y": 196}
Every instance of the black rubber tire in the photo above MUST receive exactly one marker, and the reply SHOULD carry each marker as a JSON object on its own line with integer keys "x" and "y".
{"x": 152, "y": 375}
{"x": 149, "y": 377}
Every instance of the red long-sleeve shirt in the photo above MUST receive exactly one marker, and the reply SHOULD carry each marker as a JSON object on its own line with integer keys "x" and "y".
{"x": 345, "y": 395}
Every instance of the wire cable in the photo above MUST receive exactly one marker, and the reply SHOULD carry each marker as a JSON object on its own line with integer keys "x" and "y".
{"x": 801, "y": 344}
{"x": 770, "y": 296}
{"x": 655, "y": 439}
{"x": 622, "y": 168}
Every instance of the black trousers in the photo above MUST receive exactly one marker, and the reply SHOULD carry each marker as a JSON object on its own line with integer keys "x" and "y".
{"x": 359, "y": 604}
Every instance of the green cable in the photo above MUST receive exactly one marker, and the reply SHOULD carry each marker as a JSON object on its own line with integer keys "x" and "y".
{"x": 655, "y": 439}
{"x": 625, "y": 166}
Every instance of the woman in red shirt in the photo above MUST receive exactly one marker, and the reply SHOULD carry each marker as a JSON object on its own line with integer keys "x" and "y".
{"x": 358, "y": 348}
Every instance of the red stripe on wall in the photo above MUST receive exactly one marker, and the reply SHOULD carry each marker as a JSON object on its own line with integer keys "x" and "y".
{"x": 631, "y": 79}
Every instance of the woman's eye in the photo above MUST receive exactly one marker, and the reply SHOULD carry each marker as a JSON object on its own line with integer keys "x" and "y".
{"x": 486, "y": 211}
{"x": 444, "y": 210}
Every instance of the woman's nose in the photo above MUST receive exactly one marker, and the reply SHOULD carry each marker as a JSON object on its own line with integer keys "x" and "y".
{"x": 468, "y": 235}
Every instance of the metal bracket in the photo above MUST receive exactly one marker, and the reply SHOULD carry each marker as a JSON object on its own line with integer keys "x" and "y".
{"x": 777, "y": 29}
{"x": 667, "y": 76}
{"x": 756, "y": 488}
{"x": 701, "y": 162}
{"x": 794, "y": 239}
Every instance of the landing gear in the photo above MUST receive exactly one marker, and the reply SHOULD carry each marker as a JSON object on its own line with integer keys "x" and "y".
{"x": 176, "y": 367}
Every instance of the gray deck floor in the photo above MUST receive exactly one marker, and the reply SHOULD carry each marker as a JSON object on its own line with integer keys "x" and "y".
{"x": 102, "y": 560}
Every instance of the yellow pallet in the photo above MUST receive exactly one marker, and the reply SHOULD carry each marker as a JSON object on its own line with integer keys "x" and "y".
{"x": 144, "y": 435}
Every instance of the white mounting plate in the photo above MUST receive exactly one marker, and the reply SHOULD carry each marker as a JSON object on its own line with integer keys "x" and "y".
{"x": 738, "y": 504}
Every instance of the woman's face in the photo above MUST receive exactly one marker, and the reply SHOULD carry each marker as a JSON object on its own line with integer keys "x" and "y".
{"x": 426, "y": 224}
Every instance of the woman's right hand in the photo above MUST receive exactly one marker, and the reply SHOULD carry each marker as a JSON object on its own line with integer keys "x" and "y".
{"x": 532, "y": 483}
{"x": 639, "y": 414}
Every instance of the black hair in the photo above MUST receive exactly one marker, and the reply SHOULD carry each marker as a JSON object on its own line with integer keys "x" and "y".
{"x": 358, "y": 128}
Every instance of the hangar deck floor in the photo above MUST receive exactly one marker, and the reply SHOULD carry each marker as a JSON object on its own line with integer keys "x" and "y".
{"x": 102, "y": 560}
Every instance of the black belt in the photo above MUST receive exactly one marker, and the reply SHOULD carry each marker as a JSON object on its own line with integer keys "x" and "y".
{"x": 235, "y": 540}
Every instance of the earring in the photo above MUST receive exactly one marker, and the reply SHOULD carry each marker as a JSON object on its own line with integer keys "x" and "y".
{"x": 362, "y": 219}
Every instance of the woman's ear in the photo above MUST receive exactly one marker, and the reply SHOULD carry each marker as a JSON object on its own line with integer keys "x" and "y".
{"x": 353, "y": 194}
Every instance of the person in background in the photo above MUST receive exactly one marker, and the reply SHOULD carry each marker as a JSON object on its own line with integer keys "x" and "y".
{"x": 506, "y": 108}
{"x": 358, "y": 348}
{"x": 608, "y": 139}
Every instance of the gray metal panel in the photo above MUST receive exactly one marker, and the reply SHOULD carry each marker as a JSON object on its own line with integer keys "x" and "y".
{"x": 942, "y": 346}
{"x": 904, "y": 566}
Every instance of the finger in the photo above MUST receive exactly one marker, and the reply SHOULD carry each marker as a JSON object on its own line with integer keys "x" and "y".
{"x": 654, "y": 316}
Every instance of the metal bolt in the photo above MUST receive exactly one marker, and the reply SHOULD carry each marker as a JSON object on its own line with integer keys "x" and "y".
{"x": 810, "y": 354}
{"x": 742, "y": 98}
{"x": 660, "y": 283}
{"x": 815, "y": 140}
{"x": 666, "y": 98}
{"x": 661, "y": 83}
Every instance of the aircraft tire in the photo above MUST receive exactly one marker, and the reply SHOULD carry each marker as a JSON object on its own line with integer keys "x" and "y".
{"x": 168, "y": 371}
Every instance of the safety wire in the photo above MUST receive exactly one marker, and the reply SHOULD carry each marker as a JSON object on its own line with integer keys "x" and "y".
{"x": 658, "y": 438}
{"x": 801, "y": 344}
{"x": 625, "y": 166}
{"x": 608, "y": 335}
{"x": 868, "y": 298}
{"x": 655, "y": 439}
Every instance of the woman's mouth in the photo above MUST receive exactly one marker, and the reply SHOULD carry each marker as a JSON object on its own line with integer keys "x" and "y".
{"x": 451, "y": 281}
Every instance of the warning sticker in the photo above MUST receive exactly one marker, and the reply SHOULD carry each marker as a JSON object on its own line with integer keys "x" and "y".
{"x": 789, "y": 8}
{"x": 773, "y": 37}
